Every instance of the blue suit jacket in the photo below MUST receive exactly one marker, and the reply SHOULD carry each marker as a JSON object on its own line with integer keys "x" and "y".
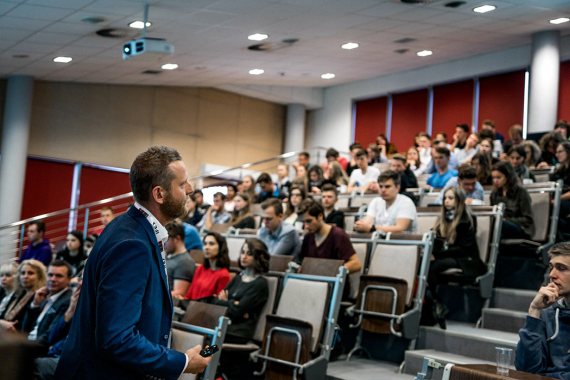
{"x": 122, "y": 324}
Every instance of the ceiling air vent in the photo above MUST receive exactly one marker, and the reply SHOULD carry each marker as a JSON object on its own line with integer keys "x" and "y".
{"x": 152, "y": 72}
{"x": 405, "y": 40}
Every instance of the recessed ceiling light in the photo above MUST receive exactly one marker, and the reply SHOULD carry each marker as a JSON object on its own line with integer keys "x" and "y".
{"x": 139, "y": 24}
{"x": 257, "y": 37}
{"x": 424, "y": 53}
{"x": 328, "y": 76}
{"x": 256, "y": 71}
{"x": 484, "y": 9}
{"x": 349, "y": 45}
{"x": 62, "y": 59}
{"x": 560, "y": 20}
{"x": 169, "y": 66}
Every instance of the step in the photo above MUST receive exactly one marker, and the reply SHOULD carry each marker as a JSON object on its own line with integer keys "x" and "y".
{"x": 415, "y": 358}
{"x": 513, "y": 299}
{"x": 465, "y": 339}
{"x": 364, "y": 369}
{"x": 503, "y": 319}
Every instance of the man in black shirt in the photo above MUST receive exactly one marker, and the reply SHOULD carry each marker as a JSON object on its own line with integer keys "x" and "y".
{"x": 329, "y": 198}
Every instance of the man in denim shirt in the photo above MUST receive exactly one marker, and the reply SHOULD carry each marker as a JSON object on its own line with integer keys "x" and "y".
{"x": 280, "y": 238}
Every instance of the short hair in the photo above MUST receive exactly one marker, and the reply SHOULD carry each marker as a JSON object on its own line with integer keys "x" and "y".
{"x": 275, "y": 203}
{"x": 234, "y": 187}
{"x": 443, "y": 150}
{"x": 311, "y": 207}
{"x": 467, "y": 171}
{"x": 564, "y": 125}
{"x": 175, "y": 229}
{"x": 305, "y": 154}
{"x": 361, "y": 152}
{"x": 39, "y": 224}
{"x": 489, "y": 122}
{"x": 390, "y": 174}
{"x": 331, "y": 152}
{"x": 399, "y": 157}
{"x": 221, "y": 195}
{"x": 198, "y": 191}
{"x": 223, "y": 258}
{"x": 560, "y": 249}
{"x": 260, "y": 254}
{"x": 150, "y": 169}
{"x": 60, "y": 264}
{"x": 106, "y": 208}
{"x": 486, "y": 134}
{"x": 264, "y": 178}
{"x": 463, "y": 126}
{"x": 329, "y": 187}
{"x": 354, "y": 145}
{"x": 517, "y": 149}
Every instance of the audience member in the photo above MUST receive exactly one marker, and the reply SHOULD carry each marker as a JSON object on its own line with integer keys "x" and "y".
{"x": 283, "y": 182}
{"x": 73, "y": 252}
{"x": 242, "y": 216}
{"x": 375, "y": 154}
{"x": 387, "y": 149}
{"x": 533, "y": 153}
{"x": 31, "y": 277}
{"x": 7, "y": 285}
{"x": 517, "y": 157}
{"x": 515, "y": 137}
{"x": 543, "y": 344}
{"x": 106, "y": 216}
{"x": 199, "y": 200}
{"x": 352, "y": 165}
{"x": 49, "y": 303}
{"x": 441, "y": 137}
{"x": 332, "y": 155}
{"x": 443, "y": 172}
{"x": 424, "y": 149}
{"x": 332, "y": 215}
{"x": 301, "y": 177}
{"x": 316, "y": 179}
{"x": 303, "y": 159}
{"x": 466, "y": 182}
{"x": 563, "y": 129}
{"x": 414, "y": 162}
{"x": 482, "y": 164}
{"x": 267, "y": 189}
{"x": 195, "y": 214}
{"x": 364, "y": 178}
{"x": 280, "y": 238}
{"x": 517, "y": 222}
{"x": 548, "y": 143}
{"x": 391, "y": 212}
{"x": 211, "y": 277}
{"x": 248, "y": 187}
{"x": 455, "y": 246}
{"x": 179, "y": 264}
{"x": 336, "y": 176}
{"x": 490, "y": 126}
{"x": 496, "y": 144}
{"x": 452, "y": 161}
{"x": 465, "y": 154}
{"x": 39, "y": 247}
{"x": 88, "y": 243}
{"x": 407, "y": 177}
{"x": 216, "y": 214}
{"x": 323, "y": 240}
{"x": 460, "y": 137}
{"x": 231, "y": 191}
{"x": 563, "y": 173}
{"x": 296, "y": 196}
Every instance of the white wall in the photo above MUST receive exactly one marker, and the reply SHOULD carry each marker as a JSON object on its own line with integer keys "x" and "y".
{"x": 332, "y": 124}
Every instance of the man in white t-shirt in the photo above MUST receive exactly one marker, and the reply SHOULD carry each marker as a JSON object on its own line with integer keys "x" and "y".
{"x": 364, "y": 178}
{"x": 391, "y": 212}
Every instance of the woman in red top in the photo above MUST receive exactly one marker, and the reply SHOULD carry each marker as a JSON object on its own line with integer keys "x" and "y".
{"x": 213, "y": 276}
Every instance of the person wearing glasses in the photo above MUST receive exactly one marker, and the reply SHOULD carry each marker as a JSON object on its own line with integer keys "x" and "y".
{"x": 279, "y": 237}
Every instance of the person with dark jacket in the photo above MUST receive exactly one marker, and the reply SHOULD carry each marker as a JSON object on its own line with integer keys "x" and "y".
{"x": 39, "y": 247}
{"x": 518, "y": 222}
{"x": 73, "y": 252}
{"x": 329, "y": 197}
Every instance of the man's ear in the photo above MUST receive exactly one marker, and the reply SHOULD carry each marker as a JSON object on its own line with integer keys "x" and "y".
{"x": 157, "y": 194}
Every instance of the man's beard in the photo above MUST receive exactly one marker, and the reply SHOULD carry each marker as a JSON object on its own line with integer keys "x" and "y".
{"x": 172, "y": 209}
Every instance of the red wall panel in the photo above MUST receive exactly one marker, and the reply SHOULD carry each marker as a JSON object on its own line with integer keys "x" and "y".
{"x": 409, "y": 113}
{"x": 564, "y": 92}
{"x": 47, "y": 187}
{"x": 370, "y": 120}
{"x": 501, "y": 99}
{"x": 97, "y": 184}
{"x": 452, "y": 105}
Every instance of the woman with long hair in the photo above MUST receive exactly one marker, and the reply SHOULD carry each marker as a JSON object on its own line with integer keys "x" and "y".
{"x": 455, "y": 245}
{"x": 242, "y": 216}
{"x": 533, "y": 153}
{"x": 548, "y": 144}
{"x": 482, "y": 164}
{"x": 31, "y": 277}
{"x": 517, "y": 158}
{"x": 335, "y": 175}
{"x": 211, "y": 277}
{"x": 315, "y": 179}
{"x": 248, "y": 187}
{"x": 231, "y": 192}
{"x": 296, "y": 196}
{"x": 73, "y": 251}
{"x": 517, "y": 222}
{"x": 413, "y": 161}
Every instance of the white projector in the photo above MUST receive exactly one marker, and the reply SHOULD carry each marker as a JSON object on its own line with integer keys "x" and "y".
{"x": 157, "y": 46}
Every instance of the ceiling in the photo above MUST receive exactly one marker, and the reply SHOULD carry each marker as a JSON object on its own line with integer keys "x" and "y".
{"x": 210, "y": 38}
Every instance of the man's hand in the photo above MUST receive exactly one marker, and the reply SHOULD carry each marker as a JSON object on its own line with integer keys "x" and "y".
{"x": 8, "y": 325}
{"x": 223, "y": 295}
{"x": 40, "y": 296}
{"x": 546, "y": 296}
{"x": 196, "y": 363}
{"x": 362, "y": 226}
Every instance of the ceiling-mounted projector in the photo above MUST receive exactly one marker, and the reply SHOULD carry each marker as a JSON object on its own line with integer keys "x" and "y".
{"x": 146, "y": 45}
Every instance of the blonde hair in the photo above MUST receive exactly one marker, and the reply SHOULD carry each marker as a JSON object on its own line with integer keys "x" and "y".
{"x": 40, "y": 270}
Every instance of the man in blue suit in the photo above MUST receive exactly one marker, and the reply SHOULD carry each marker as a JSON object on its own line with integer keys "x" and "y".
{"x": 121, "y": 329}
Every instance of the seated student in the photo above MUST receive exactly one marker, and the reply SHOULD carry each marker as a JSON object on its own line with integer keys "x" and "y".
{"x": 414, "y": 162}
{"x": 242, "y": 216}
{"x": 391, "y": 212}
{"x": 517, "y": 156}
{"x": 212, "y": 276}
{"x": 279, "y": 237}
{"x": 248, "y": 187}
{"x": 548, "y": 144}
{"x": 440, "y": 143}
{"x": 543, "y": 344}
{"x": 467, "y": 183}
{"x": 459, "y": 137}
{"x": 482, "y": 164}
{"x": 563, "y": 173}
{"x": 515, "y": 137}
{"x": 517, "y": 223}
{"x": 465, "y": 154}
{"x": 231, "y": 191}
{"x": 533, "y": 153}
{"x": 332, "y": 155}
{"x": 195, "y": 214}
{"x": 329, "y": 197}
{"x": 38, "y": 247}
{"x": 199, "y": 199}
{"x": 316, "y": 179}
{"x": 8, "y": 272}
{"x": 335, "y": 175}
{"x": 352, "y": 164}
{"x": 323, "y": 240}
{"x": 283, "y": 181}
{"x": 267, "y": 188}
{"x": 216, "y": 213}
{"x": 407, "y": 177}
{"x": 364, "y": 178}
{"x": 296, "y": 196}
{"x": 73, "y": 252}
{"x": 455, "y": 246}
{"x": 443, "y": 172}
{"x": 31, "y": 277}
{"x": 179, "y": 264}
